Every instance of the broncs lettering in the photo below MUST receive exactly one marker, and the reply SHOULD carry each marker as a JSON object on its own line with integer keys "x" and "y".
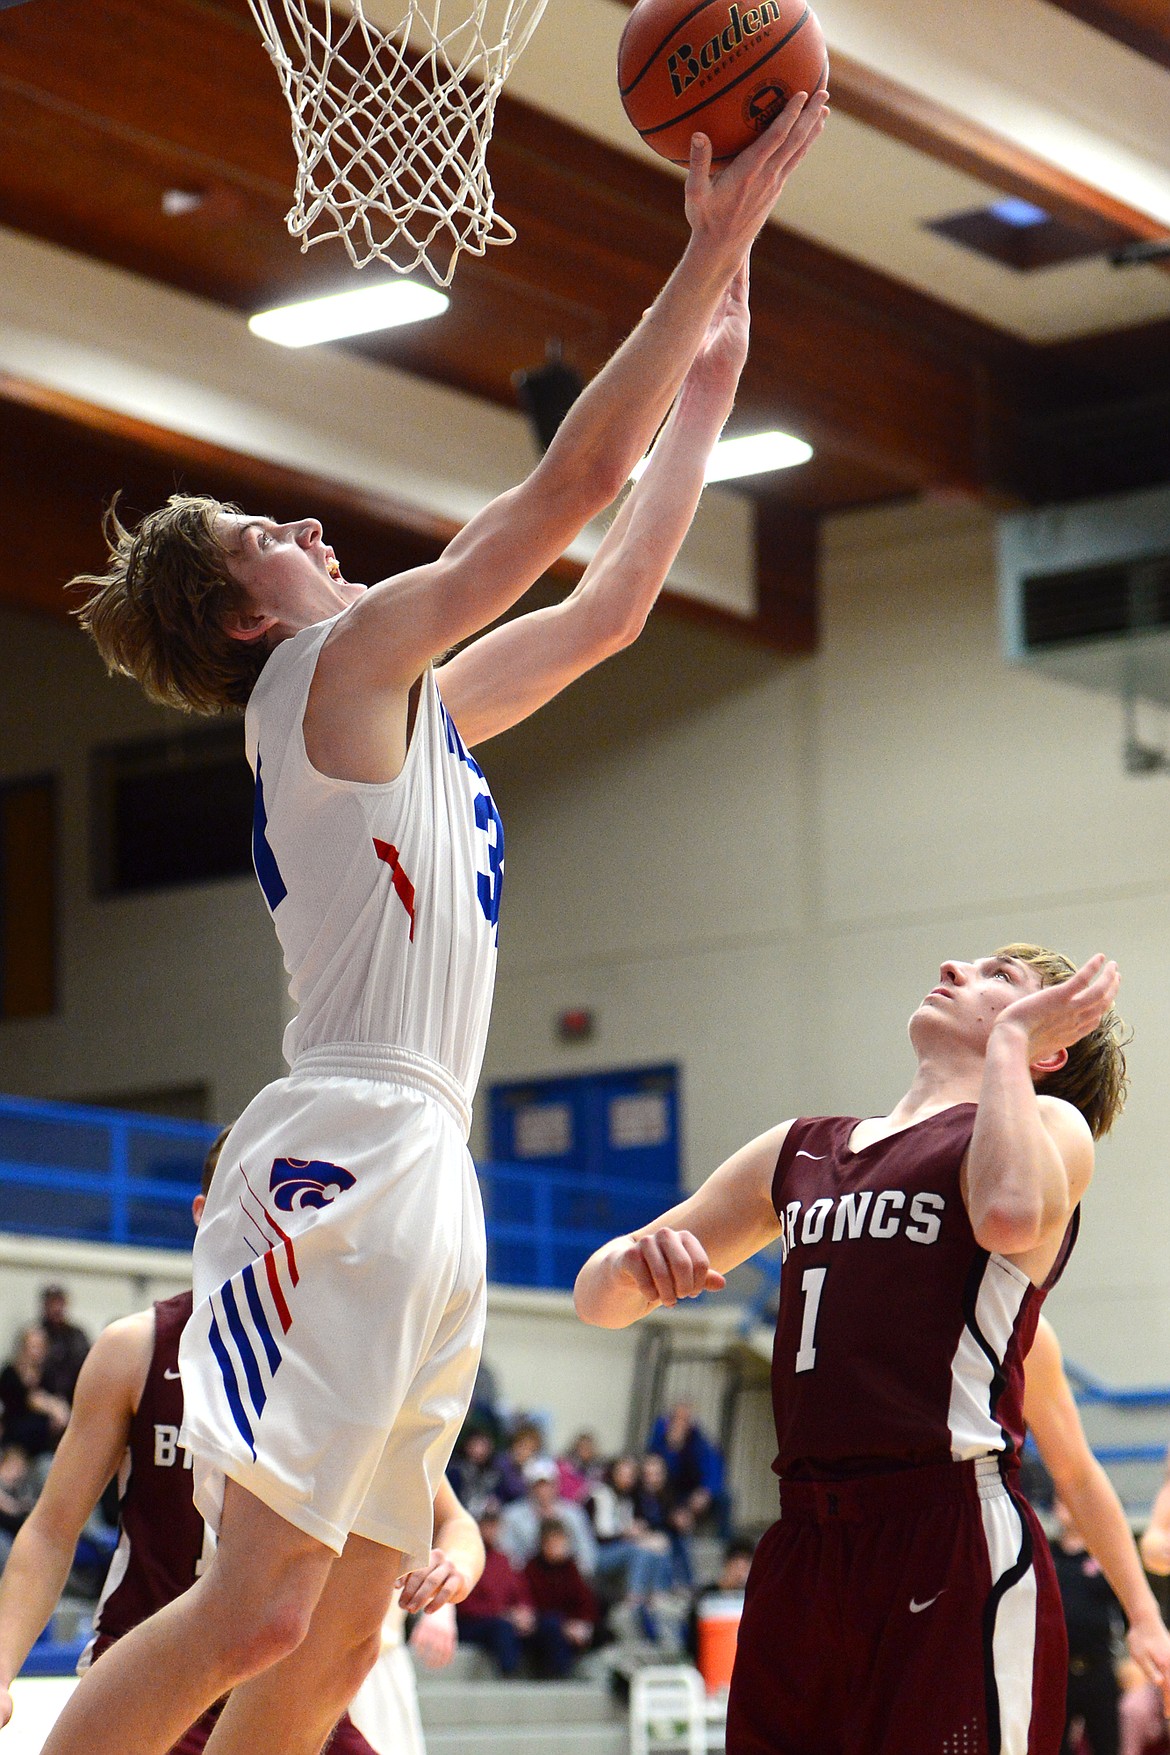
{"x": 882, "y": 1216}
{"x": 687, "y": 62}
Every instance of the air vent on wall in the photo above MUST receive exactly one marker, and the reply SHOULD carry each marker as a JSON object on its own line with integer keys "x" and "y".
{"x": 1085, "y": 593}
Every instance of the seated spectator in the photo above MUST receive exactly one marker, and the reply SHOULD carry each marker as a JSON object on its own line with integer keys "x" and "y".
{"x": 33, "y": 1418}
{"x": 66, "y": 1344}
{"x": 694, "y": 1465}
{"x": 474, "y": 1472}
{"x": 626, "y": 1548}
{"x": 661, "y": 1512}
{"x": 580, "y": 1468}
{"x": 520, "y": 1524}
{"x": 566, "y": 1609}
{"x": 497, "y": 1613}
{"x": 525, "y": 1447}
{"x": 17, "y": 1494}
{"x": 484, "y": 1412}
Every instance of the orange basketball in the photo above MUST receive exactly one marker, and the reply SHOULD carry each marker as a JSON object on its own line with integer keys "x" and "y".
{"x": 721, "y": 68}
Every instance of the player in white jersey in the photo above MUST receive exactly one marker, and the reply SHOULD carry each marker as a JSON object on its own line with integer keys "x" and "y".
{"x": 340, "y": 1270}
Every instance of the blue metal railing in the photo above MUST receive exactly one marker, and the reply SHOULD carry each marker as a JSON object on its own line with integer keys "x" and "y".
{"x": 111, "y": 1176}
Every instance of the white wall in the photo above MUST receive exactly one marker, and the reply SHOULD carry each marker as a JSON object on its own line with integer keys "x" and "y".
{"x": 178, "y": 987}
{"x": 759, "y": 873}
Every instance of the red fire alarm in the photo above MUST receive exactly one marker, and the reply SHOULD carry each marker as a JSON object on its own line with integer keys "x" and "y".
{"x": 577, "y": 1025}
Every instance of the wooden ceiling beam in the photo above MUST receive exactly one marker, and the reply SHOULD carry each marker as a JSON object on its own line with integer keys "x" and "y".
{"x": 1143, "y": 25}
{"x": 62, "y": 460}
{"x": 967, "y": 145}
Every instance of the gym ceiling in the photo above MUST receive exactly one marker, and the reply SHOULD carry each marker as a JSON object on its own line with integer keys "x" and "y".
{"x": 914, "y": 363}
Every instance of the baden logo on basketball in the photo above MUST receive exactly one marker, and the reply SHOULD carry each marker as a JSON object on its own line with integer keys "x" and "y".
{"x": 307, "y": 1182}
{"x": 764, "y": 105}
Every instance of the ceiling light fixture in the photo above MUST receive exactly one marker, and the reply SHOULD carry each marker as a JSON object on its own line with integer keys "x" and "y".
{"x": 350, "y": 313}
{"x": 753, "y": 454}
{"x": 1016, "y": 212}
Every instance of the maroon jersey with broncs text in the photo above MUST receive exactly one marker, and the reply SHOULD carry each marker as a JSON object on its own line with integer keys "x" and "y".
{"x": 162, "y": 1538}
{"x": 899, "y": 1340}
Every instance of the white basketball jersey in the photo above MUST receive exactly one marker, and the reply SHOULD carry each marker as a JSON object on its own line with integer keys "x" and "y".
{"x": 386, "y": 898}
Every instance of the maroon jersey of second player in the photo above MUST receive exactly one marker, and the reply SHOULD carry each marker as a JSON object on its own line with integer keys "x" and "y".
{"x": 162, "y": 1539}
{"x": 899, "y": 1340}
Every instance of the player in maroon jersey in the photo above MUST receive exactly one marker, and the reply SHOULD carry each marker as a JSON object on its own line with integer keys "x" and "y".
{"x": 127, "y": 1412}
{"x": 905, "y": 1603}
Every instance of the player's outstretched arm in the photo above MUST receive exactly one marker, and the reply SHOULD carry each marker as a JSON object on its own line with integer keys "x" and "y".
{"x": 1082, "y": 1484}
{"x": 689, "y": 1249}
{"x": 1031, "y": 1157}
{"x": 456, "y": 1561}
{"x": 507, "y": 674}
{"x": 95, "y": 1439}
{"x": 399, "y": 626}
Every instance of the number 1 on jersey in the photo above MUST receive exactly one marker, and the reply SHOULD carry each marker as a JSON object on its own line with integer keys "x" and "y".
{"x": 812, "y": 1284}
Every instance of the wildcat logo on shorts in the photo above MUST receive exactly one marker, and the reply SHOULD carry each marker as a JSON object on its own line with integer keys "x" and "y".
{"x": 307, "y": 1182}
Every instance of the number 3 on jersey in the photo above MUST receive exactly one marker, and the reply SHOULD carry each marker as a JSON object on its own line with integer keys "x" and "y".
{"x": 812, "y": 1284}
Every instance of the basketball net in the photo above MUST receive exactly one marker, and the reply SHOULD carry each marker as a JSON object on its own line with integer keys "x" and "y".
{"x": 391, "y": 121}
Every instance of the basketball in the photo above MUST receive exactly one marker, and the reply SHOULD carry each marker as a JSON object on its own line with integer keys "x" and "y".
{"x": 721, "y": 68}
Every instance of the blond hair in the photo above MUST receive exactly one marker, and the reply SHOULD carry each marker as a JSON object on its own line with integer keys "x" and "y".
{"x": 158, "y": 611}
{"x": 1094, "y": 1078}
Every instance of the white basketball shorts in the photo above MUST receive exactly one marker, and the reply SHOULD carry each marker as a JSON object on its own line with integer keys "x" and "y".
{"x": 340, "y": 1294}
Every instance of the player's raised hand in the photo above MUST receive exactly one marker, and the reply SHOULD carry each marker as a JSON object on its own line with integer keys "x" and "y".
{"x": 667, "y": 1266}
{"x": 1055, "y": 1017}
{"x": 5, "y": 1707}
{"x": 728, "y": 207}
{"x": 429, "y": 1587}
{"x": 724, "y": 348}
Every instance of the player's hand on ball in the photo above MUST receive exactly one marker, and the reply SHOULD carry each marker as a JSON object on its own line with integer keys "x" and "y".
{"x": 429, "y": 1587}
{"x": 669, "y": 1265}
{"x": 729, "y": 207}
{"x": 1055, "y": 1017}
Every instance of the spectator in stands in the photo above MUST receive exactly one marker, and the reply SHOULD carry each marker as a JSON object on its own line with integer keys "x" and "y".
{"x": 525, "y": 1447}
{"x": 484, "y": 1410}
{"x": 626, "y": 1548}
{"x": 694, "y": 1465}
{"x": 498, "y": 1612}
{"x": 566, "y": 1609}
{"x": 1095, "y": 1622}
{"x": 1143, "y": 1725}
{"x": 660, "y": 1511}
{"x": 17, "y": 1495}
{"x": 66, "y": 1344}
{"x": 33, "y": 1417}
{"x": 474, "y": 1472}
{"x": 580, "y": 1468}
{"x": 521, "y": 1521}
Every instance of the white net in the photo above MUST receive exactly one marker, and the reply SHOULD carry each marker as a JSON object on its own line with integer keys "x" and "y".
{"x": 391, "y": 120}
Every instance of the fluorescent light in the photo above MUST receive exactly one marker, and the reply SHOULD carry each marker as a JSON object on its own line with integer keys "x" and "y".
{"x": 1022, "y": 214}
{"x": 349, "y": 313}
{"x": 754, "y": 454}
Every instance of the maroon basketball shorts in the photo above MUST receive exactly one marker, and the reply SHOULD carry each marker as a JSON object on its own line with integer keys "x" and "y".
{"x": 915, "y": 1613}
